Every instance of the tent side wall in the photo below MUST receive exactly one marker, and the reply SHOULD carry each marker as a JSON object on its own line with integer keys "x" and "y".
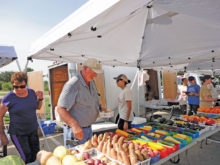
{"x": 110, "y": 87}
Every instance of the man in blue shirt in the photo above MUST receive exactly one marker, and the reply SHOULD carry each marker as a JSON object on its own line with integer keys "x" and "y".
{"x": 193, "y": 92}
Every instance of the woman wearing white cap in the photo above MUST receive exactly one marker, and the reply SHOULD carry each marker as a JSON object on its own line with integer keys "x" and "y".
{"x": 125, "y": 103}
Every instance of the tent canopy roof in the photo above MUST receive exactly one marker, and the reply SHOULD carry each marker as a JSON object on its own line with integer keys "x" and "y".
{"x": 130, "y": 33}
{"x": 7, "y": 55}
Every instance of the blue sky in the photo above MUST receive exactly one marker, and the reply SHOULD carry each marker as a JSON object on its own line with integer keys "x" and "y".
{"x": 24, "y": 21}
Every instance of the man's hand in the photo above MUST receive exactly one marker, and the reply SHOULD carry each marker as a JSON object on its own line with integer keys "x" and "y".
{"x": 77, "y": 132}
{"x": 103, "y": 109}
{"x": 4, "y": 139}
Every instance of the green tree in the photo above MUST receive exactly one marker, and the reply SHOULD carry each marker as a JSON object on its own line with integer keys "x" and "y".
{"x": 7, "y": 86}
{"x": 29, "y": 69}
{"x": 180, "y": 73}
{"x": 1, "y": 82}
{"x": 6, "y": 76}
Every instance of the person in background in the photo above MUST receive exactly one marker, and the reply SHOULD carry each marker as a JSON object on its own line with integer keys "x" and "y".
{"x": 21, "y": 103}
{"x": 125, "y": 103}
{"x": 182, "y": 95}
{"x": 78, "y": 104}
{"x": 214, "y": 93}
{"x": 206, "y": 99}
{"x": 193, "y": 93}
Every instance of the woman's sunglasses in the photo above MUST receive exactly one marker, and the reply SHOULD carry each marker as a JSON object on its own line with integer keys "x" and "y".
{"x": 21, "y": 86}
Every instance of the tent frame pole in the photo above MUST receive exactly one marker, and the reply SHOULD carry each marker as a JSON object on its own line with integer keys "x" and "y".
{"x": 19, "y": 67}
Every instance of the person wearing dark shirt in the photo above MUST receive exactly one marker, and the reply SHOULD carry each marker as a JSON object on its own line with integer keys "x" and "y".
{"x": 21, "y": 103}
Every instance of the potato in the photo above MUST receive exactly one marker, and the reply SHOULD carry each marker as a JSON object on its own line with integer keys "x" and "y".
{"x": 100, "y": 137}
{"x": 140, "y": 157}
{"x": 113, "y": 154}
{"x": 145, "y": 154}
{"x": 109, "y": 148}
{"x": 104, "y": 149}
{"x": 125, "y": 158}
{"x": 133, "y": 158}
{"x": 100, "y": 146}
{"x": 121, "y": 140}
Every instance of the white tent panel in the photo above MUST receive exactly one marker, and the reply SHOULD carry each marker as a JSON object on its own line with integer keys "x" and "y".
{"x": 118, "y": 34}
{"x": 7, "y": 55}
{"x": 178, "y": 39}
{"x": 124, "y": 32}
{"x": 208, "y": 65}
{"x": 202, "y": 9}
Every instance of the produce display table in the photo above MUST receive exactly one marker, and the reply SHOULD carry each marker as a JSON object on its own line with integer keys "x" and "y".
{"x": 160, "y": 107}
{"x": 186, "y": 148}
{"x": 97, "y": 127}
{"x": 100, "y": 127}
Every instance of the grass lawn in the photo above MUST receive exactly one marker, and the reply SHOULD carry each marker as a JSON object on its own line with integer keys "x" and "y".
{"x": 3, "y": 93}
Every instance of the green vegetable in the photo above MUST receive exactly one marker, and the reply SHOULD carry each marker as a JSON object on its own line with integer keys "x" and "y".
{"x": 166, "y": 143}
{"x": 146, "y": 138}
{"x": 11, "y": 160}
{"x": 190, "y": 130}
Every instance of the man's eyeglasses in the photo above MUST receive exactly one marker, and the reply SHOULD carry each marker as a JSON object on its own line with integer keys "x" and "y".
{"x": 21, "y": 86}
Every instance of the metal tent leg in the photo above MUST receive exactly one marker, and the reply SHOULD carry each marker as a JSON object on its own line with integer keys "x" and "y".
{"x": 187, "y": 158}
{"x": 45, "y": 140}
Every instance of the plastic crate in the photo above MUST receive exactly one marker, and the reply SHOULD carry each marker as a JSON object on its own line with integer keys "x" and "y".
{"x": 155, "y": 159}
{"x": 48, "y": 126}
{"x": 181, "y": 145}
{"x": 138, "y": 125}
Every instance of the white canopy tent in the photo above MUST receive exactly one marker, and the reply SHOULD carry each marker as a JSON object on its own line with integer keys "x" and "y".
{"x": 145, "y": 33}
{"x": 7, "y": 55}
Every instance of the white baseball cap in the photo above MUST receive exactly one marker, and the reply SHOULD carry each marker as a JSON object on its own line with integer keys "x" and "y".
{"x": 93, "y": 64}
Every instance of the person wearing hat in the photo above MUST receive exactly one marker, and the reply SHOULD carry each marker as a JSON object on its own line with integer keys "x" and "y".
{"x": 206, "y": 99}
{"x": 193, "y": 93}
{"x": 78, "y": 104}
{"x": 124, "y": 103}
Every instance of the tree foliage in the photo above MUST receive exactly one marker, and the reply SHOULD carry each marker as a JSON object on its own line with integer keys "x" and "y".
{"x": 6, "y": 76}
{"x": 180, "y": 73}
{"x": 29, "y": 69}
{"x": 7, "y": 86}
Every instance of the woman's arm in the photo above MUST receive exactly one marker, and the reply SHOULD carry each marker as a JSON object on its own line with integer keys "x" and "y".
{"x": 129, "y": 105}
{"x": 39, "y": 103}
{"x": 209, "y": 99}
{"x": 40, "y": 99}
{"x": 3, "y": 110}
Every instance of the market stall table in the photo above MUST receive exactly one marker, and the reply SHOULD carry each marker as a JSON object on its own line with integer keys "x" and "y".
{"x": 194, "y": 142}
{"x": 184, "y": 149}
{"x": 155, "y": 107}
